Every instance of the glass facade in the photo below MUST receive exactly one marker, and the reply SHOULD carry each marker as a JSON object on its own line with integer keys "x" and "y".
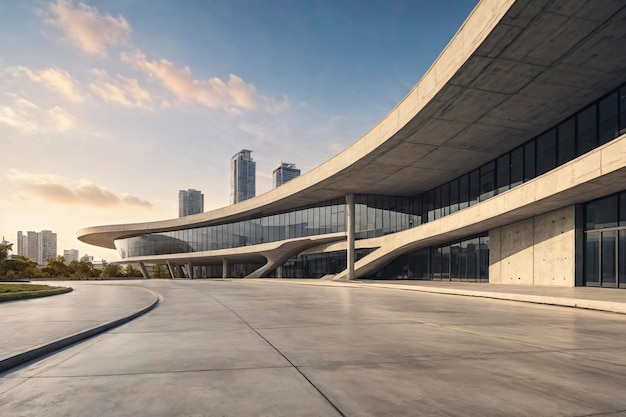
{"x": 459, "y": 260}
{"x": 605, "y": 241}
{"x": 316, "y": 265}
{"x": 378, "y": 215}
{"x": 323, "y": 218}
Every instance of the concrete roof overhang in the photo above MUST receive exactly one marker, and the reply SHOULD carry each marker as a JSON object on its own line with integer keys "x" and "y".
{"x": 514, "y": 69}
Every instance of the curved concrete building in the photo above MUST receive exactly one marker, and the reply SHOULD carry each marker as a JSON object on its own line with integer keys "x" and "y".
{"x": 505, "y": 163}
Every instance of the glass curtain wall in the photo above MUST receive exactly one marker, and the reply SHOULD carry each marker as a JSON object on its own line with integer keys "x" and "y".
{"x": 376, "y": 215}
{"x": 317, "y": 265}
{"x": 605, "y": 242}
{"x": 323, "y": 218}
{"x": 461, "y": 260}
{"x": 593, "y": 126}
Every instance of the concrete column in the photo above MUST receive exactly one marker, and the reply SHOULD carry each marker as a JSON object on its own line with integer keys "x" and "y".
{"x": 171, "y": 269}
{"x": 350, "y": 227}
{"x": 279, "y": 272}
{"x": 225, "y": 268}
{"x": 190, "y": 270}
{"x": 144, "y": 270}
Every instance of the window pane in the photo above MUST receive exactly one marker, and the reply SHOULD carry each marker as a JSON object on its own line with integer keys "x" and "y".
{"x": 472, "y": 259}
{"x": 587, "y": 136}
{"x": 609, "y": 241}
{"x": 592, "y": 258}
{"x": 445, "y": 199}
{"x": 438, "y": 210}
{"x": 445, "y": 262}
{"x": 601, "y": 213}
{"x": 431, "y": 205}
{"x": 607, "y": 118}
{"x": 487, "y": 180}
{"x": 566, "y": 141}
{"x": 464, "y": 192}
{"x": 474, "y": 187}
{"x": 546, "y": 152}
{"x": 455, "y": 261}
{"x": 622, "y": 209}
{"x": 454, "y": 195}
{"x": 435, "y": 264}
{"x": 517, "y": 166}
{"x": 502, "y": 176}
{"x": 484, "y": 258}
{"x": 529, "y": 161}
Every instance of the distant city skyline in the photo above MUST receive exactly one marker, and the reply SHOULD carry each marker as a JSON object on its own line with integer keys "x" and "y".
{"x": 37, "y": 246}
{"x": 108, "y": 108}
{"x": 283, "y": 173}
{"x": 190, "y": 202}
{"x": 242, "y": 176}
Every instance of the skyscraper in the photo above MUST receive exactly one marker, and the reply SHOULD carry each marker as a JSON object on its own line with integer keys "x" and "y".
{"x": 242, "y": 176}
{"x": 190, "y": 202}
{"x": 284, "y": 172}
{"x": 32, "y": 246}
{"x": 70, "y": 255}
{"x": 47, "y": 246}
{"x": 37, "y": 246}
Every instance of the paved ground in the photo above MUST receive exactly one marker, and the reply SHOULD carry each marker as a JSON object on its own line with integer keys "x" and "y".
{"x": 251, "y": 348}
{"x": 50, "y": 319}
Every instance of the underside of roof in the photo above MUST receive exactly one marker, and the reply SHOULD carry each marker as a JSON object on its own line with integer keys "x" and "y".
{"x": 514, "y": 69}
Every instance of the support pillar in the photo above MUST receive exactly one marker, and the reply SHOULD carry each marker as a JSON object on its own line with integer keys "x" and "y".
{"x": 144, "y": 270}
{"x": 171, "y": 269}
{"x": 350, "y": 227}
{"x": 225, "y": 268}
{"x": 279, "y": 272}
{"x": 190, "y": 270}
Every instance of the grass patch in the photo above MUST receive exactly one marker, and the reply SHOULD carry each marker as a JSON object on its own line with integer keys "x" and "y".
{"x": 10, "y": 292}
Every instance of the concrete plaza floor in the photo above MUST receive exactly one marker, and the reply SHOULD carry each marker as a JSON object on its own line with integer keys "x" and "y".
{"x": 287, "y": 348}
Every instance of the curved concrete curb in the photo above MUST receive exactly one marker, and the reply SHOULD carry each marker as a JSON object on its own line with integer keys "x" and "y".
{"x": 41, "y": 350}
{"x": 608, "y": 306}
{"x": 598, "y": 305}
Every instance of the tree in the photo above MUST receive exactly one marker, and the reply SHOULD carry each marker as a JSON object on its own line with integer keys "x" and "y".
{"x": 159, "y": 271}
{"x": 20, "y": 267}
{"x": 56, "y": 268}
{"x": 4, "y": 251}
{"x": 132, "y": 272}
{"x": 111, "y": 270}
{"x": 83, "y": 268}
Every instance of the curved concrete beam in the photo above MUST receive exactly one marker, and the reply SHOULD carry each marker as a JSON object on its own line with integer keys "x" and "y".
{"x": 595, "y": 174}
{"x": 463, "y": 112}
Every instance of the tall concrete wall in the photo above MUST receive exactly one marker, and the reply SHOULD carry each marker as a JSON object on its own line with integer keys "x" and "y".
{"x": 536, "y": 251}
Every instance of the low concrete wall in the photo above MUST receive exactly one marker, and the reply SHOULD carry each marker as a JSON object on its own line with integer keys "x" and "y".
{"x": 536, "y": 251}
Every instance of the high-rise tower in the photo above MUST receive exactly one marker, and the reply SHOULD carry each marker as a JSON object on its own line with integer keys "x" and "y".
{"x": 242, "y": 176}
{"x": 190, "y": 202}
{"x": 284, "y": 172}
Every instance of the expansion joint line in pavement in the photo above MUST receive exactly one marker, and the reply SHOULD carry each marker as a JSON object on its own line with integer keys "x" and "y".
{"x": 280, "y": 353}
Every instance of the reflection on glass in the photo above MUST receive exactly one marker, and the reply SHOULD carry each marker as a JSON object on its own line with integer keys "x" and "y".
{"x": 592, "y": 258}
{"x": 609, "y": 248}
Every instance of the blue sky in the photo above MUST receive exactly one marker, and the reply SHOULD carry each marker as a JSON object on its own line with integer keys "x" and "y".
{"x": 108, "y": 108}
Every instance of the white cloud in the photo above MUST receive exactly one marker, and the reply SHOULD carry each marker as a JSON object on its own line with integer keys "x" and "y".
{"x": 121, "y": 90}
{"x": 273, "y": 106}
{"x": 85, "y": 27}
{"x": 29, "y": 118}
{"x": 214, "y": 93}
{"x": 57, "y": 189}
{"x": 52, "y": 79}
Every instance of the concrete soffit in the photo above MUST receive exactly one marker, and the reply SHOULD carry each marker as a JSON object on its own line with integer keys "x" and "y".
{"x": 513, "y": 69}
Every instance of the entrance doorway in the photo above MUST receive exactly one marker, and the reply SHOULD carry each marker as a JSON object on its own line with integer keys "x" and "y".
{"x": 605, "y": 258}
